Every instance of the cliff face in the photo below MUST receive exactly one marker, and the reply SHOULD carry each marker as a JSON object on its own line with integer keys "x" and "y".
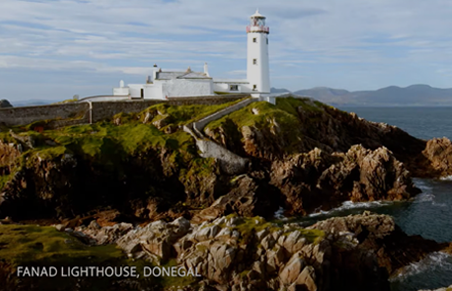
{"x": 304, "y": 156}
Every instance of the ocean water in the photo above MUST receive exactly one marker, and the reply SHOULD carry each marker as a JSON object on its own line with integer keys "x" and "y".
{"x": 430, "y": 213}
{"x": 421, "y": 122}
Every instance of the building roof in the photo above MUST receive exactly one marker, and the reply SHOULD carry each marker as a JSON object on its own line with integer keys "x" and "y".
{"x": 169, "y": 75}
{"x": 257, "y": 15}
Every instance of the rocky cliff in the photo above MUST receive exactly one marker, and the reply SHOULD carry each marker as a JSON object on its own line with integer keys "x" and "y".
{"x": 357, "y": 252}
{"x": 101, "y": 181}
{"x": 304, "y": 155}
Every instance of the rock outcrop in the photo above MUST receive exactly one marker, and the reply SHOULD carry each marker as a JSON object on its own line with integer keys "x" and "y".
{"x": 438, "y": 154}
{"x": 235, "y": 253}
{"x": 322, "y": 180}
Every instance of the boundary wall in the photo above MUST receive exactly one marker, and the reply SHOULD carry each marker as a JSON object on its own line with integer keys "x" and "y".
{"x": 86, "y": 112}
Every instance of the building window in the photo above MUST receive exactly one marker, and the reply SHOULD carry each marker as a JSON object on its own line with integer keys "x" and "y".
{"x": 254, "y": 61}
{"x": 254, "y": 39}
{"x": 267, "y": 40}
{"x": 233, "y": 87}
{"x": 254, "y": 87}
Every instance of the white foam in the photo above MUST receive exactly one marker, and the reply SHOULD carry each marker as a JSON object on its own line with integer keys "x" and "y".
{"x": 422, "y": 184}
{"x": 352, "y": 205}
{"x": 425, "y": 197}
{"x": 436, "y": 260}
{"x": 279, "y": 214}
{"x": 447, "y": 178}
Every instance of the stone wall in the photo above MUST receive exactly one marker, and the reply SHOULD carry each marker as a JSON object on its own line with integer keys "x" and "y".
{"x": 230, "y": 163}
{"x": 104, "y": 110}
{"x": 79, "y": 113}
{"x": 25, "y": 115}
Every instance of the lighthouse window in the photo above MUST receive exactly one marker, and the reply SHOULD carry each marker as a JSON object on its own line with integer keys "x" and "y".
{"x": 254, "y": 39}
{"x": 254, "y": 87}
{"x": 254, "y": 61}
{"x": 234, "y": 88}
{"x": 267, "y": 40}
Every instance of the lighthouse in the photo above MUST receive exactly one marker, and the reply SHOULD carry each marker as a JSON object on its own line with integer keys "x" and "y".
{"x": 258, "y": 73}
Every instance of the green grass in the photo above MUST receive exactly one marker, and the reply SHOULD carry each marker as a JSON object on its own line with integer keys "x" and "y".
{"x": 282, "y": 119}
{"x": 28, "y": 244}
{"x": 187, "y": 113}
{"x": 3, "y": 180}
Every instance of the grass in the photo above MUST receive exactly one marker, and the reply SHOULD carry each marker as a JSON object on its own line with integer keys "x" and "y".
{"x": 3, "y": 180}
{"x": 29, "y": 244}
{"x": 185, "y": 114}
{"x": 281, "y": 119}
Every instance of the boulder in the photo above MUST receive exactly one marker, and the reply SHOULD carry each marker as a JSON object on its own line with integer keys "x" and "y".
{"x": 438, "y": 153}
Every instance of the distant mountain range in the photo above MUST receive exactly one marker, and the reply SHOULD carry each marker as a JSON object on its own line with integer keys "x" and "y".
{"x": 415, "y": 95}
{"x": 32, "y": 102}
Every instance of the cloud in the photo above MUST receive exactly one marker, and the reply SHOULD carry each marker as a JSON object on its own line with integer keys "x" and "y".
{"x": 323, "y": 41}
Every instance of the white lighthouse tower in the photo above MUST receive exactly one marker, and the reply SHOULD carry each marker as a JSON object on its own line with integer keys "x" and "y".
{"x": 258, "y": 73}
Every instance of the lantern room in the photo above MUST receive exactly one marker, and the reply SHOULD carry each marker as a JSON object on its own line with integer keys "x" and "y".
{"x": 257, "y": 24}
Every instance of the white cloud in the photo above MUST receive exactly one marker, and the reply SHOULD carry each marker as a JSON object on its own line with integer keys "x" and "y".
{"x": 127, "y": 37}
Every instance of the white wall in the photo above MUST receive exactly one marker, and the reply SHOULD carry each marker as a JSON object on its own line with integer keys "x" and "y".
{"x": 153, "y": 91}
{"x": 135, "y": 90}
{"x": 105, "y": 99}
{"x": 224, "y": 87}
{"x": 187, "y": 87}
{"x": 124, "y": 91}
{"x": 258, "y": 74}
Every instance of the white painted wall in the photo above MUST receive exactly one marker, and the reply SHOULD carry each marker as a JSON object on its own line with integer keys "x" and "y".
{"x": 187, "y": 87}
{"x": 153, "y": 91}
{"x": 105, "y": 99}
{"x": 225, "y": 87}
{"x": 135, "y": 90}
{"x": 124, "y": 91}
{"x": 258, "y": 74}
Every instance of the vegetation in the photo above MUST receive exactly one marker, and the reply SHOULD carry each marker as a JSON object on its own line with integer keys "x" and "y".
{"x": 29, "y": 244}
{"x": 281, "y": 119}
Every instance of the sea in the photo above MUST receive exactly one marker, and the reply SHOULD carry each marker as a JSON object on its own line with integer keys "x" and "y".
{"x": 429, "y": 214}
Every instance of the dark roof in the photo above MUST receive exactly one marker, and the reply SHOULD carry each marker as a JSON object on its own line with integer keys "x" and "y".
{"x": 168, "y": 75}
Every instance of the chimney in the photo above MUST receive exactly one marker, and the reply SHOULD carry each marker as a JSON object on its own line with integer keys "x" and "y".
{"x": 206, "y": 70}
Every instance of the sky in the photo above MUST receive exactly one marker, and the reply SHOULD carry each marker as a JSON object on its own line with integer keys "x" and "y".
{"x": 54, "y": 49}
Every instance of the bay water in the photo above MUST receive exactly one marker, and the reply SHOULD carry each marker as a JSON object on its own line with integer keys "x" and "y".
{"x": 429, "y": 214}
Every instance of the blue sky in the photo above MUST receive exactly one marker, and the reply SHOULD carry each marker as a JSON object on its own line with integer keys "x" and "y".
{"x": 54, "y": 49}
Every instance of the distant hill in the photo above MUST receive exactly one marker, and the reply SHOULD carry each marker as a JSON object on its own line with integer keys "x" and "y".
{"x": 5, "y": 103}
{"x": 32, "y": 102}
{"x": 415, "y": 95}
{"x": 276, "y": 90}
{"x": 324, "y": 94}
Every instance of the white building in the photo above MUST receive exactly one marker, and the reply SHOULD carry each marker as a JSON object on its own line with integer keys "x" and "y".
{"x": 163, "y": 84}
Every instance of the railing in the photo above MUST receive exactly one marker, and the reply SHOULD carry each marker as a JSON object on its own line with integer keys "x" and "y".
{"x": 256, "y": 28}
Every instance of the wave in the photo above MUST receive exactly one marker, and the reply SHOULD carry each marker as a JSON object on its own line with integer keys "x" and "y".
{"x": 425, "y": 197}
{"x": 348, "y": 205}
{"x": 447, "y": 178}
{"x": 423, "y": 185}
{"x": 279, "y": 214}
{"x": 432, "y": 262}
